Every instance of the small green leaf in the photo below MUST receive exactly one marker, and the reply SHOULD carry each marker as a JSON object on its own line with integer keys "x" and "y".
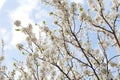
{"x": 44, "y": 22}
{"x": 51, "y": 13}
{"x": 23, "y": 53}
{"x": 81, "y": 9}
{"x": 14, "y": 64}
{"x": 17, "y": 29}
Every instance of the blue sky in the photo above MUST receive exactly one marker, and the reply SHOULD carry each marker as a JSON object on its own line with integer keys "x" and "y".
{"x": 28, "y": 11}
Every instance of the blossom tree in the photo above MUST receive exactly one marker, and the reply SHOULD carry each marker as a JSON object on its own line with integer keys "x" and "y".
{"x": 83, "y": 43}
{"x": 3, "y": 68}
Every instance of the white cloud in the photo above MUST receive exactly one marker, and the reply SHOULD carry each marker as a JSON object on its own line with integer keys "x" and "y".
{"x": 22, "y": 13}
{"x": 5, "y": 35}
{"x": 1, "y": 3}
{"x": 3, "y": 31}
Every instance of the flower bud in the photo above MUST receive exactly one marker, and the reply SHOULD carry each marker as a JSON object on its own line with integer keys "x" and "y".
{"x": 17, "y": 23}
